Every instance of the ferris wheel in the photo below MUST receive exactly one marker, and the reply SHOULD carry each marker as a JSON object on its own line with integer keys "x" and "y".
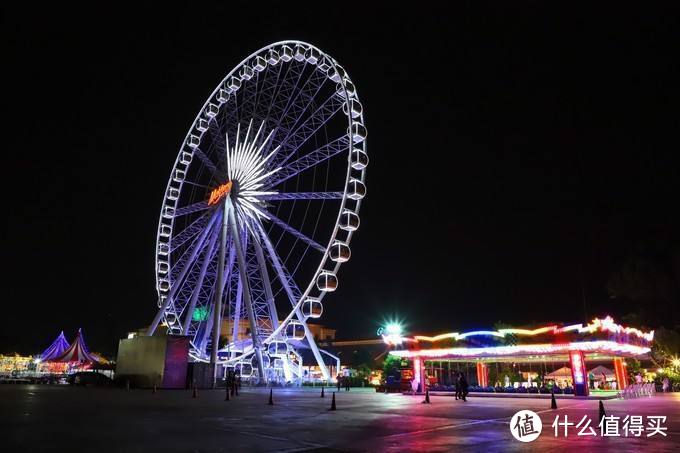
{"x": 259, "y": 211}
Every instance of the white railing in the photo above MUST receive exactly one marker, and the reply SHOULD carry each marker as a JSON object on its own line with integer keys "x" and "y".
{"x": 638, "y": 390}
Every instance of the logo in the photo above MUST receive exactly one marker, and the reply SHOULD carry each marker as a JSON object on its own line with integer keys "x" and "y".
{"x": 219, "y": 192}
{"x": 526, "y": 426}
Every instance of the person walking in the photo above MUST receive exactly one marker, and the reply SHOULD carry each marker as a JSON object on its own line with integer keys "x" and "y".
{"x": 339, "y": 379}
{"x": 347, "y": 383}
{"x": 665, "y": 384}
{"x": 463, "y": 387}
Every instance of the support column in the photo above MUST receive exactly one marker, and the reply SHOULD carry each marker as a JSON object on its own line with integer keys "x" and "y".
{"x": 482, "y": 374}
{"x": 293, "y": 300}
{"x": 217, "y": 304}
{"x": 243, "y": 274}
{"x": 620, "y": 373}
{"x": 578, "y": 373}
{"x": 419, "y": 374}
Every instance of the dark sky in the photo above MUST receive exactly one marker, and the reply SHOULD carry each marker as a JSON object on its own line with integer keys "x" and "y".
{"x": 518, "y": 157}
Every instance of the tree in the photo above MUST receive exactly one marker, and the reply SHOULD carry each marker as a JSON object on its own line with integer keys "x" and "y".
{"x": 666, "y": 346}
{"x": 649, "y": 281}
{"x": 391, "y": 366}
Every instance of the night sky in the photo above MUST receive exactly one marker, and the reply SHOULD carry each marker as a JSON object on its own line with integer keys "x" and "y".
{"x": 519, "y": 157}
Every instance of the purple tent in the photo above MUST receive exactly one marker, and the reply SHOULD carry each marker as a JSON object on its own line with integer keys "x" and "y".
{"x": 76, "y": 352}
{"x": 56, "y": 349}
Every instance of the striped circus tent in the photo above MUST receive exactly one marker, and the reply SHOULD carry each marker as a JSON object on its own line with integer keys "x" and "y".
{"x": 56, "y": 349}
{"x": 77, "y": 352}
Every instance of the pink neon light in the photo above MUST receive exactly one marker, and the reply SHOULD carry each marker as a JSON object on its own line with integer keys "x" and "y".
{"x": 603, "y": 325}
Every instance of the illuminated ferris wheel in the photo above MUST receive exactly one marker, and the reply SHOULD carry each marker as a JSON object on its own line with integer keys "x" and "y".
{"x": 259, "y": 211}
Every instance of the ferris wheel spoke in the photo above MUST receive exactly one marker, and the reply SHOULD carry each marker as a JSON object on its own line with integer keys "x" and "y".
{"x": 289, "y": 229}
{"x": 219, "y": 144}
{"x": 230, "y": 212}
{"x": 207, "y": 330}
{"x": 258, "y": 292}
{"x": 269, "y": 294}
{"x": 190, "y": 231}
{"x": 206, "y": 160}
{"x": 290, "y": 287}
{"x": 295, "y": 297}
{"x": 189, "y": 254}
{"x": 303, "y": 196}
{"x": 190, "y": 209}
{"x": 177, "y": 283}
{"x": 269, "y": 90}
{"x": 310, "y": 160}
{"x": 235, "y": 115}
{"x": 198, "y": 287}
{"x": 306, "y": 129}
{"x": 237, "y": 304}
{"x": 208, "y": 299}
{"x": 286, "y": 90}
{"x": 248, "y": 102}
{"x": 303, "y": 99}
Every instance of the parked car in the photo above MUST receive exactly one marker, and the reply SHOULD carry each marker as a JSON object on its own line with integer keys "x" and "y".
{"x": 88, "y": 378}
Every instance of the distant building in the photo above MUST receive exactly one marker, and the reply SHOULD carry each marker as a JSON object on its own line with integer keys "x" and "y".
{"x": 321, "y": 333}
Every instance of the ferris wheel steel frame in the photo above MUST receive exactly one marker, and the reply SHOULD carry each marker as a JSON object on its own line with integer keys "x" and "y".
{"x": 226, "y": 234}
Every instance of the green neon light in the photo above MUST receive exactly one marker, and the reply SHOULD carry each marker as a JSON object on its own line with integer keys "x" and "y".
{"x": 200, "y": 314}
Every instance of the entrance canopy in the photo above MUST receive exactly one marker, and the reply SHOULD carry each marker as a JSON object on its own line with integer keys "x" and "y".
{"x": 562, "y": 373}
{"x": 602, "y": 339}
{"x": 599, "y": 370}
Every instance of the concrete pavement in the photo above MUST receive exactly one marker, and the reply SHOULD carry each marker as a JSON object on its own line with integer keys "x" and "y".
{"x": 61, "y": 418}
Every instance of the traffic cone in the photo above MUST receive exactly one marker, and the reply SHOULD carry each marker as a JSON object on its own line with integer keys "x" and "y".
{"x": 602, "y": 413}
{"x": 427, "y": 397}
{"x": 271, "y": 397}
{"x": 553, "y": 402}
{"x": 194, "y": 394}
{"x": 333, "y": 403}
{"x": 322, "y": 394}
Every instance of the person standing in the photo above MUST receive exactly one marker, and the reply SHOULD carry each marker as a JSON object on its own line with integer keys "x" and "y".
{"x": 347, "y": 382}
{"x": 464, "y": 387}
{"x": 339, "y": 379}
{"x": 665, "y": 384}
{"x": 456, "y": 382}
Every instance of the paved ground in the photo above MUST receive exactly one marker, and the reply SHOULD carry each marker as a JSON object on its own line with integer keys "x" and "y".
{"x": 66, "y": 419}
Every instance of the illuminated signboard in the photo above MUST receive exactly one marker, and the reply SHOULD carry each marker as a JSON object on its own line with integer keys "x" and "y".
{"x": 218, "y": 193}
{"x": 577, "y": 367}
